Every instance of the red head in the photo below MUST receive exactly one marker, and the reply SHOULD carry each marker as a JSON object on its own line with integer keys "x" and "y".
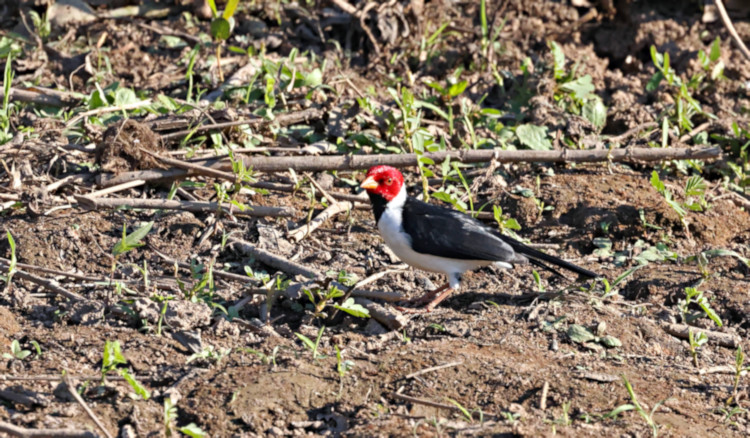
{"x": 385, "y": 181}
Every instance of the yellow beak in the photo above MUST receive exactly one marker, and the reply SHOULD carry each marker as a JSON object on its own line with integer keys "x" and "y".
{"x": 369, "y": 183}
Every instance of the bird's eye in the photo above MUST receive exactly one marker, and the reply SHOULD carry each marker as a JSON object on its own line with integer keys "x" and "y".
{"x": 389, "y": 181}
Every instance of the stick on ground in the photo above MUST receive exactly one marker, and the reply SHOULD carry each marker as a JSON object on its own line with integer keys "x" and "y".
{"x": 192, "y": 206}
{"x": 682, "y": 331}
{"x": 360, "y": 162}
{"x": 22, "y": 432}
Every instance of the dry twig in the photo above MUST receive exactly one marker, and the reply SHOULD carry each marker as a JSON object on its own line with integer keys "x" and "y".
{"x": 358, "y": 162}
{"x": 682, "y": 331}
{"x": 72, "y": 390}
{"x": 431, "y": 369}
{"x": 50, "y": 285}
{"x": 22, "y": 432}
{"x": 730, "y": 27}
{"x": 192, "y": 206}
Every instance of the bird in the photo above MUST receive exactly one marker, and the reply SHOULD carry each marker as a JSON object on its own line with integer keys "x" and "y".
{"x": 438, "y": 239}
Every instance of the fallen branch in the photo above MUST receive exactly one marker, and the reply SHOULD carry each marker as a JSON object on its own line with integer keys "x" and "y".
{"x": 116, "y": 188}
{"x": 371, "y": 294}
{"x": 730, "y": 27}
{"x": 88, "y": 203}
{"x": 40, "y": 96}
{"x": 108, "y": 109}
{"x": 543, "y": 396}
{"x": 272, "y": 260}
{"x": 196, "y": 168}
{"x": 22, "y": 432}
{"x": 74, "y": 392}
{"x": 359, "y": 162}
{"x": 335, "y": 208}
{"x": 51, "y": 271}
{"x": 388, "y": 317}
{"x": 682, "y": 331}
{"x": 435, "y": 368}
{"x": 50, "y": 285}
{"x": 355, "y": 162}
{"x": 284, "y": 119}
{"x": 301, "y": 232}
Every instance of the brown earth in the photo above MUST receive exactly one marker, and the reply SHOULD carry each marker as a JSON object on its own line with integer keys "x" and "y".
{"x": 506, "y": 340}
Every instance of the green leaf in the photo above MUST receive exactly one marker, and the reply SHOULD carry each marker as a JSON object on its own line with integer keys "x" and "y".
{"x": 220, "y": 29}
{"x": 558, "y": 59}
{"x": 125, "y": 96}
{"x": 595, "y": 112}
{"x": 132, "y": 240}
{"x": 725, "y": 253}
{"x": 350, "y": 307}
{"x": 212, "y": 5}
{"x": 458, "y": 88}
{"x": 695, "y": 186}
{"x": 656, "y": 182}
{"x": 580, "y": 334}
{"x": 308, "y": 342}
{"x": 229, "y": 9}
{"x": 533, "y": 137}
{"x": 654, "y": 82}
{"x": 512, "y": 224}
{"x": 715, "y": 50}
{"x": 610, "y": 342}
{"x": 313, "y": 79}
{"x": 112, "y": 356}
{"x": 619, "y": 410}
{"x": 137, "y": 387}
{"x": 193, "y": 431}
{"x": 581, "y": 88}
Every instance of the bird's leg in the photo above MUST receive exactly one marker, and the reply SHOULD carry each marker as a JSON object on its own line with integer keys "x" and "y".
{"x": 429, "y": 296}
{"x": 431, "y": 299}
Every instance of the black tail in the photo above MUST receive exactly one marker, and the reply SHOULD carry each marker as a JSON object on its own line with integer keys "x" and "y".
{"x": 536, "y": 257}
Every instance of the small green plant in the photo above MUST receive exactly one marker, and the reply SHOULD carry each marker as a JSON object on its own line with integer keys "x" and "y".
{"x": 576, "y": 94}
{"x": 130, "y": 241}
{"x": 537, "y": 280}
{"x": 695, "y": 342}
{"x": 692, "y": 295}
{"x": 695, "y": 190}
{"x": 113, "y": 357}
{"x": 313, "y": 346}
{"x": 342, "y": 367}
{"x": 266, "y": 359}
{"x": 739, "y": 370}
{"x": 505, "y": 223}
{"x": 686, "y": 107}
{"x": 16, "y": 352}
{"x": 210, "y": 353}
{"x": 13, "y": 262}
{"x": 322, "y": 297}
{"x": 170, "y": 416}
{"x": 404, "y": 338}
{"x": 221, "y": 28}
{"x": 462, "y": 409}
{"x": 634, "y": 405}
{"x": 5, "y": 127}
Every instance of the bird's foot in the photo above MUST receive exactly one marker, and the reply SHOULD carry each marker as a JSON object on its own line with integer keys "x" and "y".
{"x": 430, "y": 300}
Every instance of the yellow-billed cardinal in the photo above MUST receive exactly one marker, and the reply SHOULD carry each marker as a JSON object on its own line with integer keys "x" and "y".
{"x": 438, "y": 239}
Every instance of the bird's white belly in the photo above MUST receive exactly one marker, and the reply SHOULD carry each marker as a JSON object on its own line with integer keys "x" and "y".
{"x": 392, "y": 232}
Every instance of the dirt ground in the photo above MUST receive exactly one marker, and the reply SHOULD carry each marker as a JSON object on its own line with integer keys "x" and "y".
{"x": 506, "y": 363}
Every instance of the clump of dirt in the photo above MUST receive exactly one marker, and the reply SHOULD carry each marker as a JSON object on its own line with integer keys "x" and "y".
{"x": 126, "y": 146}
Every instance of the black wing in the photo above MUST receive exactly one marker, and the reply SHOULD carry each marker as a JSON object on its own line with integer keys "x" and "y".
{"x": 447, "y": 233}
